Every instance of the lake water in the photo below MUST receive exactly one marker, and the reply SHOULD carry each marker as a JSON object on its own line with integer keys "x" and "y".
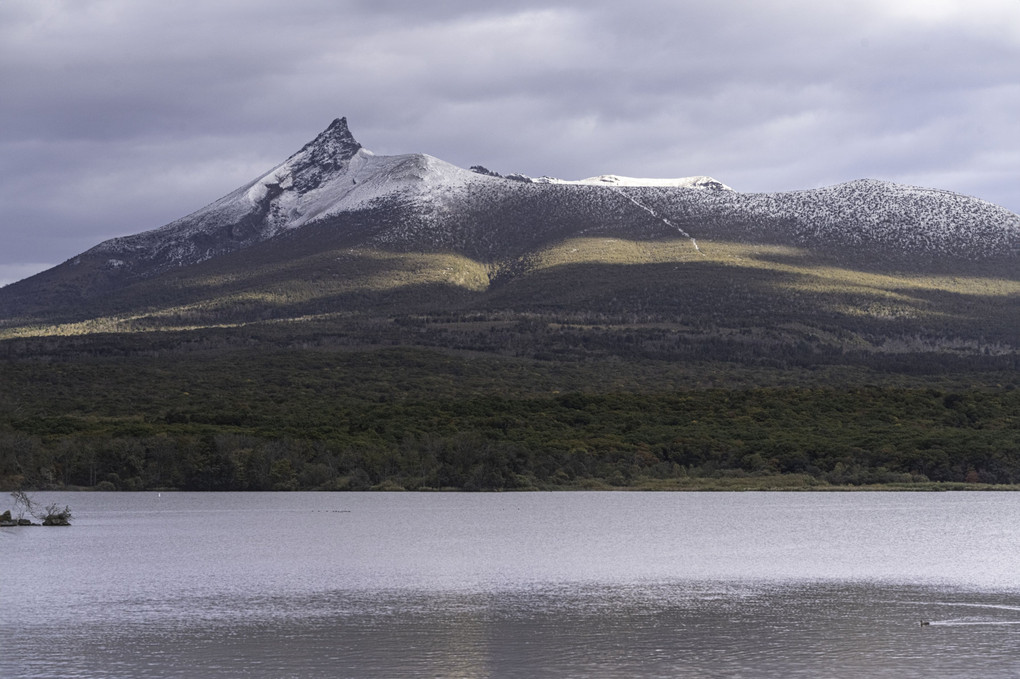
{"x": 388, "y": 585}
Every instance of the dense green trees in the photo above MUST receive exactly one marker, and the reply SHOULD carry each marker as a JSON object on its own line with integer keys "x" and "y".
{"x": 327, "y": 419}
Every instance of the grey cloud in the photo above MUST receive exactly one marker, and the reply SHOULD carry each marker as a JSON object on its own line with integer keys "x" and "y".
{"x": 119, "y": 116}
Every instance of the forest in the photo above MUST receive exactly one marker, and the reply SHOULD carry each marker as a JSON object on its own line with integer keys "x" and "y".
{"x": 210, "y": 412}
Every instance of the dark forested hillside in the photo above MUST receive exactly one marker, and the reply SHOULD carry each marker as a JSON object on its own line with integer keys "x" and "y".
{"x": 533, "y": 407}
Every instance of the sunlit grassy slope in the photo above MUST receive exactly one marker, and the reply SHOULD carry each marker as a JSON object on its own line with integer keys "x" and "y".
{"x": 752, "y": 295}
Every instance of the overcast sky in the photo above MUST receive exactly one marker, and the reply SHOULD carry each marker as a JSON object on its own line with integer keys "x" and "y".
{"x": 118, "y": 116}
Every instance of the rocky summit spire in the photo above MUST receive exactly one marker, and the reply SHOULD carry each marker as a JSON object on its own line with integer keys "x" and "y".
{"x": 325, "y": 155}
{"x": 334, "y": 145}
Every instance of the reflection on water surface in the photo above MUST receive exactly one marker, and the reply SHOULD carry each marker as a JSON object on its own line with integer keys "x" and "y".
{"x": 532, "y": 585}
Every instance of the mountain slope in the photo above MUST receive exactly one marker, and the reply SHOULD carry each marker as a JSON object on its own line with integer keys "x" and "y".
{"x": 348, "y": 321}
{"x": 335, "y": 195}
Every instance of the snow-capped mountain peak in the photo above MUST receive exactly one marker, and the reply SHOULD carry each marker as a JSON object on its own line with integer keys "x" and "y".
{"x": 324, "y": 157}
{"x": 318, "y": 161}
{"x": 335, "y": 142}
{"x": 333, "y": 178}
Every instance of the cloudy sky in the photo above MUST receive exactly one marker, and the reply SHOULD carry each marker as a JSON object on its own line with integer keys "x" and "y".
{"x": 118, "y": 116}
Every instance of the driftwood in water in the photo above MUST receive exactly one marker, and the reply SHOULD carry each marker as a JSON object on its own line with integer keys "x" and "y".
{"x": 51, "y": 515}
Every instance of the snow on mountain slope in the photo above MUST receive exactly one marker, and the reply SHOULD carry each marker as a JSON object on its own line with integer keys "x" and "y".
{"x": 698, "y": 182}
{"x": 911, "y": 218}
{"x": 331, "y": 175}
{"x": 333, "y": 194}
{"x": 481, "y": 213}
{"x": 886, "y": 219}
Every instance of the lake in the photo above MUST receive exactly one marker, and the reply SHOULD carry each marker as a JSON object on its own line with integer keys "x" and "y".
{"x": 515, "y": 585}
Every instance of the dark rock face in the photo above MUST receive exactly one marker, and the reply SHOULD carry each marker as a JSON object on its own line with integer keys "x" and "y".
{"x": 327, "y": 154}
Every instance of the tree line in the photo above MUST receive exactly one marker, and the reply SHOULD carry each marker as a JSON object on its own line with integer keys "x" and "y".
{"x": 851, "y": 436}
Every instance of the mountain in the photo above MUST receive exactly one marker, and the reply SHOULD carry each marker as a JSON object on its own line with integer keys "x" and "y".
{"x": 335, "y": 227}
{"x": 350, "y": 321}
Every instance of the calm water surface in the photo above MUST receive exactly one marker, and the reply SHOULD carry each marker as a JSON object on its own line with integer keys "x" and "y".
{"x": 515, "y": 585}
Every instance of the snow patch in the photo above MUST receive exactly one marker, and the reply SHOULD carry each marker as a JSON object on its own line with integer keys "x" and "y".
{"x": 696, "y": 182}
{"x": 665, "y": 221}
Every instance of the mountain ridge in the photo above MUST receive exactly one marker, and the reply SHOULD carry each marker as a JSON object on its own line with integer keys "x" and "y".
{"x": 417, "y": 202}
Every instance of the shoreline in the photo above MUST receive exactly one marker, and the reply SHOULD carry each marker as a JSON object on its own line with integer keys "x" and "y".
{"x": 779, "y": 483}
